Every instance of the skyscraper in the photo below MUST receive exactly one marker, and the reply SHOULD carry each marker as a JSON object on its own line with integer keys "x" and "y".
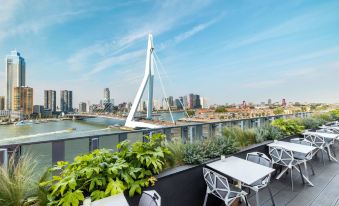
{"x": 50, "y": 100}
{"x": 66, "y": 101}
{"x": 2, "y": 102}
{"x": 15, "y": 76}
{"x": 107, "y": 100}
{"x": 82, "y": 107}
{"x": 23, "y": 100}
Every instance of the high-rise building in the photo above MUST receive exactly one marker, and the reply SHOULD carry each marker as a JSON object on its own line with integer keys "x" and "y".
{"x": 2, "y": 102}
{"x": 82, "y": 107}
{"x": 171, "y": 101}
{"x": 23, "y": 100}
{"x": 283, "y": 103}
{"x": 38, "y": 109}
{"x": 15, "y": 76}
{"x": 269, "y": 102}
{"x": 185, "y": 101}
{"x": 190, "y": 101}
{"x": 203, "y": 102}
{"x": 50, "y": 100}
{"x": 107, "y": 101}
{"x": 66, "y": 101}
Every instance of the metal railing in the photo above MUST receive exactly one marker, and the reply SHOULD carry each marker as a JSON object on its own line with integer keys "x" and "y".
{"x": 50, "y": 151}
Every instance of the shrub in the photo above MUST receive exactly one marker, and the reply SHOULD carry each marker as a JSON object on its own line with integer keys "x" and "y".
{"x": 267, "y": 132}
{"x": 241, "y": 138}
{"x": 288, "y": 126}
{"x": 215, "y": 147}
{"x": 103, "y": 173}
{"x": 177, "y": 149}
{"x": 194, "y": 153}
{"x": 313, "y": 122}
{"x": 19, "y": 183}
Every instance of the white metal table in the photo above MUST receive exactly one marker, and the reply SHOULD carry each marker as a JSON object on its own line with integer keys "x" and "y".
{"x": 297, "y": 148}
{"x": 240, "y": 169}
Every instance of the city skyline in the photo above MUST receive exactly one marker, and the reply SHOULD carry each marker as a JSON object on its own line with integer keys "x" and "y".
{"x": 244, "y": 60}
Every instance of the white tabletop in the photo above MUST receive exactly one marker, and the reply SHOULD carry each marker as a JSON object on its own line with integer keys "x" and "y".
{"x": 323, "y": 134}
{"x": 330, "y": 127}
{"x": 240, "y": 169}
{"x": 304, "y": 149}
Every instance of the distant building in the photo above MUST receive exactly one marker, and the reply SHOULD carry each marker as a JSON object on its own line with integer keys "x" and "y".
{"x": 269, "y": 102}
{"x": 23, "y": 100}
{"x": 283, "y": 103}
{"x": 82, "y": 107}
{"x": 178, "y": 104}
{"x": 2, "y": 103}
{"x": 203, "y": 102}
{"x": 15, "y": 76}
{"x": 171, "y": 101}
{"x": 50, "y": 100}
{"x": 185, "y": 101}
{"x": 66, "y": 101}
{"x": 190, "y": 101}
{"x": 38, "y": 109}
{"x": 107, "y": 101}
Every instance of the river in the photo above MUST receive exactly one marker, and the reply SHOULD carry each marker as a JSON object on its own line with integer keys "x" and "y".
{"x": 10, "y": 134}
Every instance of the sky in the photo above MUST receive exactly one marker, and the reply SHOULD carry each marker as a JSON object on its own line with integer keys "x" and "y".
{"x": 226, "y": 51}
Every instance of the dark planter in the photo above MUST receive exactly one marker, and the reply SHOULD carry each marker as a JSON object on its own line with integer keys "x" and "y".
{"x": 185, "y": 185}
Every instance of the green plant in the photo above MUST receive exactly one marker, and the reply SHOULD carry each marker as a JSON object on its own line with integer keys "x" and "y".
{"x": 313, "y": 122}
{"x": 241, "y": 138}
{"x": 177, "y": 149}
{"x": 103, "y": 173}
{"x": 194, "y": 153}
{"x": 267, "y": 132}
{"x": 288, "y": 126}
{"x": 214, "y": 147}
{"x": 19, "y": 183}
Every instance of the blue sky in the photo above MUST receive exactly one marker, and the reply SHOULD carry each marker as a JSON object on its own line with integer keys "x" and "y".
{"x": 227, "y": 51}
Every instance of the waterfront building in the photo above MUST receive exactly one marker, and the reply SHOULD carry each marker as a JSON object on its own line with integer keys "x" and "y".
{"x": 171, "y": 101}
{"x": 185, "y": 102}
{"x": 50, "y": 100}
{"x": 107, "y": 101}
{"x": 2, "y": 103}
{"x": 38, "y": 109}
{"x": 15, "y": 76}
{"x": 178, "y": 104}
{"x": 203, "y": 102}
{"x": 23, "y": 100}
{"x": 66, "y": 101}
{"x": 82, "y": 107}
{"x": 190, "y": 101}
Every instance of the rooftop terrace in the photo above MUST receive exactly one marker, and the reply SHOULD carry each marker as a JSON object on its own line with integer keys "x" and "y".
{"x": 325, "y": 191}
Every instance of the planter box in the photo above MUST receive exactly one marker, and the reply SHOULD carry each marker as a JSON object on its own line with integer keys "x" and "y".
{"x": 185, "y": 185}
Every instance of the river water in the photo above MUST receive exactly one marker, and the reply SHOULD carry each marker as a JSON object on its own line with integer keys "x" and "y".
{"x": 10, "y": 134}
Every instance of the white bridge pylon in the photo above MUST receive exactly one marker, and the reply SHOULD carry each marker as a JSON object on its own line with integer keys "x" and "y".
{"x": 148, "y": 78}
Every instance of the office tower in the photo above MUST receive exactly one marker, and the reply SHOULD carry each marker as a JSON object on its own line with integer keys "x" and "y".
{"x": 38, "y": 109}
{"x": 190, "y": 101}
{"x": 171, "y": 101}
{"x": 283, "y": 103}
{"x": 178, "y": 104}
{"x": 269, "y": 102}
{"x": 107, "y": 100}
{"x": 2, "y": 102}
{"x": 82, "y": 107}
{"x": 23, "y": 100}
{"x": 50, "y": 100}
{"x": 203, "y": 102}
{"x": 196, "y": 101}
{"x": 15, "y": 76}
{"x": 185, "y": 102}
{"x": 66, "y": 101}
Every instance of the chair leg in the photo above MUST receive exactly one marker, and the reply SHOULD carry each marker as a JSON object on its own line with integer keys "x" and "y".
{"x": 257, "y": 198}
{"x": 206, "y": 197}
{"x": 311, "y": 165}
{"x": 333, "y": 150}
{"x": 271, "y": 194}
{"x": 292, "y": 178}
{"x": 329, "y": 153}
{"x": 322, "y": 157}
{"x": 301, "y": 174}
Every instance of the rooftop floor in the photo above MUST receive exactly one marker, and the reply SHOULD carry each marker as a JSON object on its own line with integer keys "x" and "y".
{"x": 324, "y": 193}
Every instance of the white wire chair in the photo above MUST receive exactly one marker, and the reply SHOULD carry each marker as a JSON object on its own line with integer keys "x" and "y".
{"x": 218, "y": 185}
{"x": 321, "y": 143}
{"x": 150, "y": 198}
{"x": 262, "y": 159}
{"x": 285, "y": 158}
{"x": 302, "y": 156}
